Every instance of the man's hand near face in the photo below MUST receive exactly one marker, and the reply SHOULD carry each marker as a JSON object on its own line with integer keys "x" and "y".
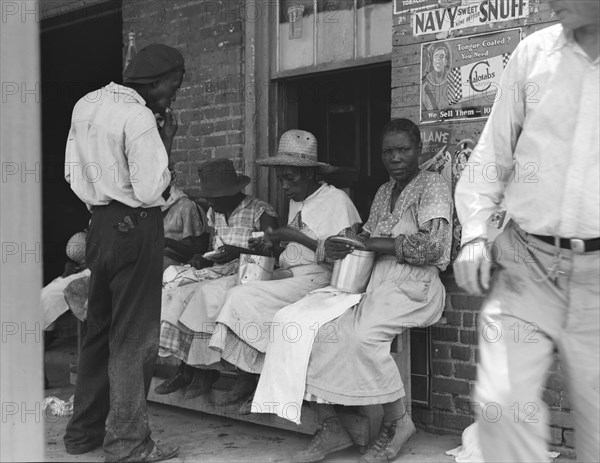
{"x": 168, "y": 129}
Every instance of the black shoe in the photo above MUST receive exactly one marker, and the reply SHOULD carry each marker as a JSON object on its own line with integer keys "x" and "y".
{"x": 243, "y": 387}
{"x": 202, "y": 383}
{"x": 246, "y": 408}
{"x": 82, "y": 448}
{"x": 180, "y": 380}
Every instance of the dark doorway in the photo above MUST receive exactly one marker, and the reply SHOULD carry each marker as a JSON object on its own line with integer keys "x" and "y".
{"x": 81, "y": 51}
{"x": 346, "y": 111}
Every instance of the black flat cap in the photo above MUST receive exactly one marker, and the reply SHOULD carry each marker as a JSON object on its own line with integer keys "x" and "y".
{"x": 151, "y": 62}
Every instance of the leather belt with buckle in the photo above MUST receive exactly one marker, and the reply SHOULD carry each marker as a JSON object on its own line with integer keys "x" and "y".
{"x": 573, "y": 244}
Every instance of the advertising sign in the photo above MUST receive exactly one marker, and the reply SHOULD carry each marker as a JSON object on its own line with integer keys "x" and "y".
{"x": 435, "y": 154}
{"x": 460, "y": 77}
{"x": 468, "y": 13}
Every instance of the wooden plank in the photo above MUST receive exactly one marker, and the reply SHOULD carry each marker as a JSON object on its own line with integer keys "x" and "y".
{"x": 401, "y": 355}
{"x": 356, "y": 424}
{"x": 406, "y": 75}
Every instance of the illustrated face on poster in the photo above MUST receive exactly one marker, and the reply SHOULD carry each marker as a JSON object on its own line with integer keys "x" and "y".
{"x": 460, "y": 77}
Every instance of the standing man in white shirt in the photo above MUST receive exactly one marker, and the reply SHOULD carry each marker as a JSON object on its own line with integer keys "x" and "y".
{"x": 543, "y": 142}
{"x": 117, "y": 162}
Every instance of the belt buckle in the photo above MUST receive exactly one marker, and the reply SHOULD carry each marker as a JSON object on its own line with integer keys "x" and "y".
{"x": 577, "y": 245}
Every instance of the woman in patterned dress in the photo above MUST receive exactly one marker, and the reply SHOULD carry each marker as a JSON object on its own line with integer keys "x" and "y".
{"x": 409, "y": 229}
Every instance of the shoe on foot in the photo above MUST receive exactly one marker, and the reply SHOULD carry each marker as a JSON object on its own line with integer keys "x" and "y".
{"x": 243, "y": 387}
{"x": 330, "y": 437}
{"x": 389, "y": 441}
{"x": 201, "y": 383}
{"x": 162, "y": 453}
{"x": 181, "y": 379}
{"x": 80, "y": 449}
{"x": 246, "y": 408}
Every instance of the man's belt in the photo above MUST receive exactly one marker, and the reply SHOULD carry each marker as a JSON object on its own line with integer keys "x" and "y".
{"x": 573, "y": 244}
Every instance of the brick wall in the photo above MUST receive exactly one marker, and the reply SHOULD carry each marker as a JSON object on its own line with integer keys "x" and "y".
{"x": 454, "y": 338}
{"x": 210, "y": 103}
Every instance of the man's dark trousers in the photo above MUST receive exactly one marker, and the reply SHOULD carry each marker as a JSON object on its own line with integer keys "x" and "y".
{"x": 124, "y": 253}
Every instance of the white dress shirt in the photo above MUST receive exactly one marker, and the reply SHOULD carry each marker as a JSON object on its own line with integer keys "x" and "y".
{"x": 539, "y": 149}
{"x": 114, "y": 150}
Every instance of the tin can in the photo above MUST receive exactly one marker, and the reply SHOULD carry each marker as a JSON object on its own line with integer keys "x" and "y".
{"x": 352, "y": 273}
{"x": 255, "y": 268}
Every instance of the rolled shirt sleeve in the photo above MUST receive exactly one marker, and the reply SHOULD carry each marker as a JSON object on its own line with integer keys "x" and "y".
{"x": 480, "y": 188}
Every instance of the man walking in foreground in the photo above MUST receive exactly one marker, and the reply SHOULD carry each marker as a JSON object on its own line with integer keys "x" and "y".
{"x": 117, "y": 163}
{"x": 545, "y": 293}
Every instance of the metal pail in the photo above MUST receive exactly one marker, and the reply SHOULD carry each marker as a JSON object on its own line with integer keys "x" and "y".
{"x": 352, "y": 273}
{"x": 253, "y": 268}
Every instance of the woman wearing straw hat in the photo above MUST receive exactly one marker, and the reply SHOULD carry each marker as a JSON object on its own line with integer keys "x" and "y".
{"x": 188, "y": 312}
{"x": 316, "y": 211}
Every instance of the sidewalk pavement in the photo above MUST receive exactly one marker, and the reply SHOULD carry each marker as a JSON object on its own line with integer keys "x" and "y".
{"x": 208, "y": 438}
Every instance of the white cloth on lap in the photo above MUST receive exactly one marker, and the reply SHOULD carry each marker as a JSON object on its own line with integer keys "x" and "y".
{"x": 53, "y": 299}
{"x": 281, "y": 390}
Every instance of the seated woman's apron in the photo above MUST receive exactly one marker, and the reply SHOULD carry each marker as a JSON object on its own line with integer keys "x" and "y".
{"x": 356, "y": 367}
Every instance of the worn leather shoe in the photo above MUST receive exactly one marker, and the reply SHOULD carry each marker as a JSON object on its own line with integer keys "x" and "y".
{"x": 246, "y": 408}
{"x": 83, "y": 448}
{"x": 162, "y": 453}
{"x": 181, "y": 379}
{"x": 331, "y": 437}
{"x": 201, "y": 383}
{"x": 243, "y": 387}
{"x": 389, "y": 441}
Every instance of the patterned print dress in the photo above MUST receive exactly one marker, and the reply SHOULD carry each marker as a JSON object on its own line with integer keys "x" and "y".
{"x": 200, "y": 301}
{"x": 357, "y": 367}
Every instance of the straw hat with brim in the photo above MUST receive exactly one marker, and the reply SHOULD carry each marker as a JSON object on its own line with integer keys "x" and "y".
{"x": 219, "y": 178}
{"x": 297, "y": 148}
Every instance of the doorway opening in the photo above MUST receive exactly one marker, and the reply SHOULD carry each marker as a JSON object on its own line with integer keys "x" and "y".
{"x": 345, "y": 110}
{"x": 81, "y": 51}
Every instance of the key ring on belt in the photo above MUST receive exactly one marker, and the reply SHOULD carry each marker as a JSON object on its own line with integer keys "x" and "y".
{"x": 553, "y": 272}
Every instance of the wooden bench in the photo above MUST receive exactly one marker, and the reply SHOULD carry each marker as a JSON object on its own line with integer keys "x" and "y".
{"x": 361, "y": 422}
